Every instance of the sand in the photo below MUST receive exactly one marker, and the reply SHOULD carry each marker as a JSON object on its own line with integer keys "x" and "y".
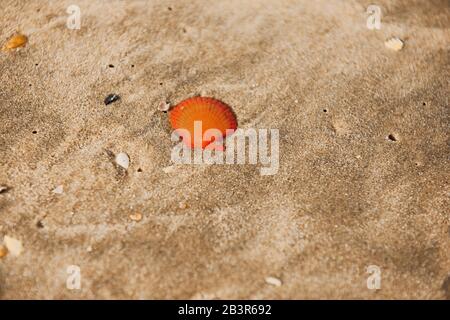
{"x": 364, "y": 150}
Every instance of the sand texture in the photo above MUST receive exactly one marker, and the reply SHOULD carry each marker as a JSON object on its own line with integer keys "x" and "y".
{"x": 364, "y": 150}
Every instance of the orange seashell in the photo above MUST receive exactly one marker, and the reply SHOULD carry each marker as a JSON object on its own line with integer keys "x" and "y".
{"x": 212, "y": 113}
{"x": 16, "y": 41}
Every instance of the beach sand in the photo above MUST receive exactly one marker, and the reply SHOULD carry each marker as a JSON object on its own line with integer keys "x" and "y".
{"x": 364, "y": 150}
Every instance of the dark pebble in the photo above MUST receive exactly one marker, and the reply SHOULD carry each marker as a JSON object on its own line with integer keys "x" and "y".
{"x": 111, "y": 98}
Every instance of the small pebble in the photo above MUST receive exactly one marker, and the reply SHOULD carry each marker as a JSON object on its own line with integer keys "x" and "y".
{"x": 136, "y": 216}
{"x": 122, "y": 160}
{"x": 14, "y": 246}
{"x": 111, "y": 98}
{"x": 3, "y": 251}
{"x": 273, "y": 281}
{"x": 58, "y": 190}
{"x": 394, "y": 43}
{"x": 89, "y": 249}
{"x": 3, "y": 188}
{"x": 16, "y": 41}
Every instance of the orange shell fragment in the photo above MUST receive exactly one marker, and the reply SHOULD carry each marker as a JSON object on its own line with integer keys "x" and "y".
{"x": 16, "y": 41}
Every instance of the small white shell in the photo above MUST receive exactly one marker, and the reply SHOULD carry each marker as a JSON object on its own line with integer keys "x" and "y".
{"x": 182, "y": 205}
{"x": 164, "y": 106}
{"x": 394, "y": 43}
{"x": 273, "y": 281}
{"x": 123, "y": 160}
{"x": 59, "y": 189}
{"x": 14, "y": 246}
{"x": 169, "y": 169}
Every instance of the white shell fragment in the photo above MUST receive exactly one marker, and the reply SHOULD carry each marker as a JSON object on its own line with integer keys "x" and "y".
{"x": 123, "y": 160}
{"x": 169, "y": 169}
{"x": 273, "y": 281}
{"x": 59, "y": 189}
{"x": 14, "y": 246}
{"x": 394, "y": 43}
{"x": 136, "y": 217}
{"x": 164, "y": 106}
{"x": 182, "y": 205}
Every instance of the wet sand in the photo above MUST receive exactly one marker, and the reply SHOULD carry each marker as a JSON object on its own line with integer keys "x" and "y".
{"x": 364, "y": 150}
